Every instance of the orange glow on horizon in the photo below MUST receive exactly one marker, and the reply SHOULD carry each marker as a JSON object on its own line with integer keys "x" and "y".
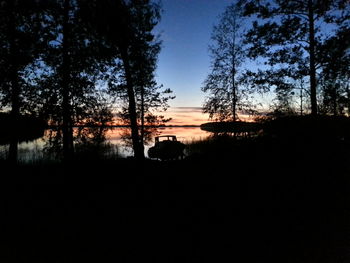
{"x": 180, "y": 116}
{"x": 183, "y": 134}
{"x": 187, "y": 116}
{"x": 194, "y": 116}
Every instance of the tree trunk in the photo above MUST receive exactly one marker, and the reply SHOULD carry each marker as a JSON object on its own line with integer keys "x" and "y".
{"x": 234, "y": 88}
{"x": 15, "y": 112}
{"x": 15, "y": 92}
{"x": 234, "y": 102}
{"x": 335, "y": 100}
{"x": 348, "y": 98}
{"x": 67, "y": 130}
{"x": 301, "y": 101}
{"x": 138, "y": 151}
{"x": 142, "y": 139}
{"x": 312, "y": 59}
{"x": 234, "y": 91}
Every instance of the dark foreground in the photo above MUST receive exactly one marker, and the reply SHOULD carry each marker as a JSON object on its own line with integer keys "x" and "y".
{"x": 263, "y": 201}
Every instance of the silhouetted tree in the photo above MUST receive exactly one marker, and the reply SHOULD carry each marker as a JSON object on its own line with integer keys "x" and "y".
{"x": 335, "y": 54}
{"x": 125, "y": 28}
{"x": 227, "y": 55}
{"x": 151, "y": 99}
{"x": 288, "y": 34}
{"x": 65, "y": 71}
{"x": 72, "y": 65}
{"x": 21, "y": 41}
{"x": 111, "y": 21}
{"x": 291, "y": 101}
{"x": 144, "y": 57}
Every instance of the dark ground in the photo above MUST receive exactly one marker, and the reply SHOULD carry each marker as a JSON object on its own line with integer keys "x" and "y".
{"x": 263, "y": 201}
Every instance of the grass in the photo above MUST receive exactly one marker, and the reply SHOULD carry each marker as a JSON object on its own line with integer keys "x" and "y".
{"x": 214, "y": 146}
{"x": 125, "y": 210}
{"x": 265, "y": 199}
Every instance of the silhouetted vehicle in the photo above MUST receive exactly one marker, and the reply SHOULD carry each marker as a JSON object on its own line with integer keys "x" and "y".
{"x": 166, "y": 147}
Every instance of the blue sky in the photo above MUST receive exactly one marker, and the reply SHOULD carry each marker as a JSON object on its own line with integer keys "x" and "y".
{"x": 183, "y": 65}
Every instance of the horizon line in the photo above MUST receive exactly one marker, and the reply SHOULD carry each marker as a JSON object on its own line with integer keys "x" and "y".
{"x": 128, "y": 126}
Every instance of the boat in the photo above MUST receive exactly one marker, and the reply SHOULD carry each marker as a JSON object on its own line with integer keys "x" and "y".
{"x": 166, "y": 147}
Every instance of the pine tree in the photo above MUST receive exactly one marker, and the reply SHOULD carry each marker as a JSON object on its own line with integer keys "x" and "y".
{"x": 151, "y": 99}
{"x": 287, "y": 35}
{"x": 21, "y": 41}
{"x": 126, "y": 31}
{"x": 335, "y": 75}
{"x": 72, "y": 66}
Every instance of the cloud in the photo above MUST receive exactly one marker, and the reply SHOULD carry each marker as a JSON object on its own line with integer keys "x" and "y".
{"x": 186, "y": 109}
{"x": 186, "y": 116}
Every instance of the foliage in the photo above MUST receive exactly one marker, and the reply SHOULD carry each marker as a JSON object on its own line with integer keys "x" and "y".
{"x": 72, "y": 64}
{"x": 227, "y": 94}
{"x": 29, "y": 128}
{"x": 131, "y": 62}
{"x": 309, "y": 128}
{"x": 240, "y": 127}
{"x": 91, "y": 144}
{"x": 22, "y": 41}
{"x": 335, "y": 77}
{"x": 56, "y": 55}
{"x": 83, "y": 67}
{"x": 288, "y": 35}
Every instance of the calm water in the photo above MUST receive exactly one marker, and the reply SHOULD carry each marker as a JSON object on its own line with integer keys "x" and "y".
{"x": 33, "y": 150}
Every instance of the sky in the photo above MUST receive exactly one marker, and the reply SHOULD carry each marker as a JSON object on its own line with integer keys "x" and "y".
{"x": 183, "y": 65}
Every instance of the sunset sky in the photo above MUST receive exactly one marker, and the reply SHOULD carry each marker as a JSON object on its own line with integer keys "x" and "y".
{"x": 186, "y": 116}
{"x": 183, "y": 65}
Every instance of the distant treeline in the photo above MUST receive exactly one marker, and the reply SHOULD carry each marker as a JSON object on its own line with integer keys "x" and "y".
{"x": 231, "y": 127}
{"x": 29, "y": 128}
{"x": 309, "y": 127}
{"x": 306, "y": 127}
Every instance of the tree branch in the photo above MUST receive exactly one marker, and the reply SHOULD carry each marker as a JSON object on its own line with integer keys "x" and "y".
{"x": 302, "y": 15}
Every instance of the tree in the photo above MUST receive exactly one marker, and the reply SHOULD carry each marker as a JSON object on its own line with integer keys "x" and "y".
{"x": 111, "y": 21}
{"x": 21, "y": 41}
{"x": 287, "y": 35}
{"x": 125, "y": 28}
{"x": 72, "y": 65}
{"x": 65, "y": 71}
{"x": 226, "y": 93}
{"x": 335, "y": 61}
{"x": 149, "y": 95}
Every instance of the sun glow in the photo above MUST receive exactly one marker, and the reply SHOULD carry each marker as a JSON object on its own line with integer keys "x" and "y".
{"x": 191, "y": 116}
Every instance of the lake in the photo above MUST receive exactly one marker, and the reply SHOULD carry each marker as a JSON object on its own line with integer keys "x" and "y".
{"x": 33, "y": 150}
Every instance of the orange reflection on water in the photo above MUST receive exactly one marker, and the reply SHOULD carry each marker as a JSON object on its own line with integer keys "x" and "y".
{"x": 183, "y": 134}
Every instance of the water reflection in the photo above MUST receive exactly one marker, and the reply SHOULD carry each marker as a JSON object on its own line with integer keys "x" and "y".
{"x": 184, "y": 134}
{"x": 89, "y": 142}
{"x": 92, "y": 142}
